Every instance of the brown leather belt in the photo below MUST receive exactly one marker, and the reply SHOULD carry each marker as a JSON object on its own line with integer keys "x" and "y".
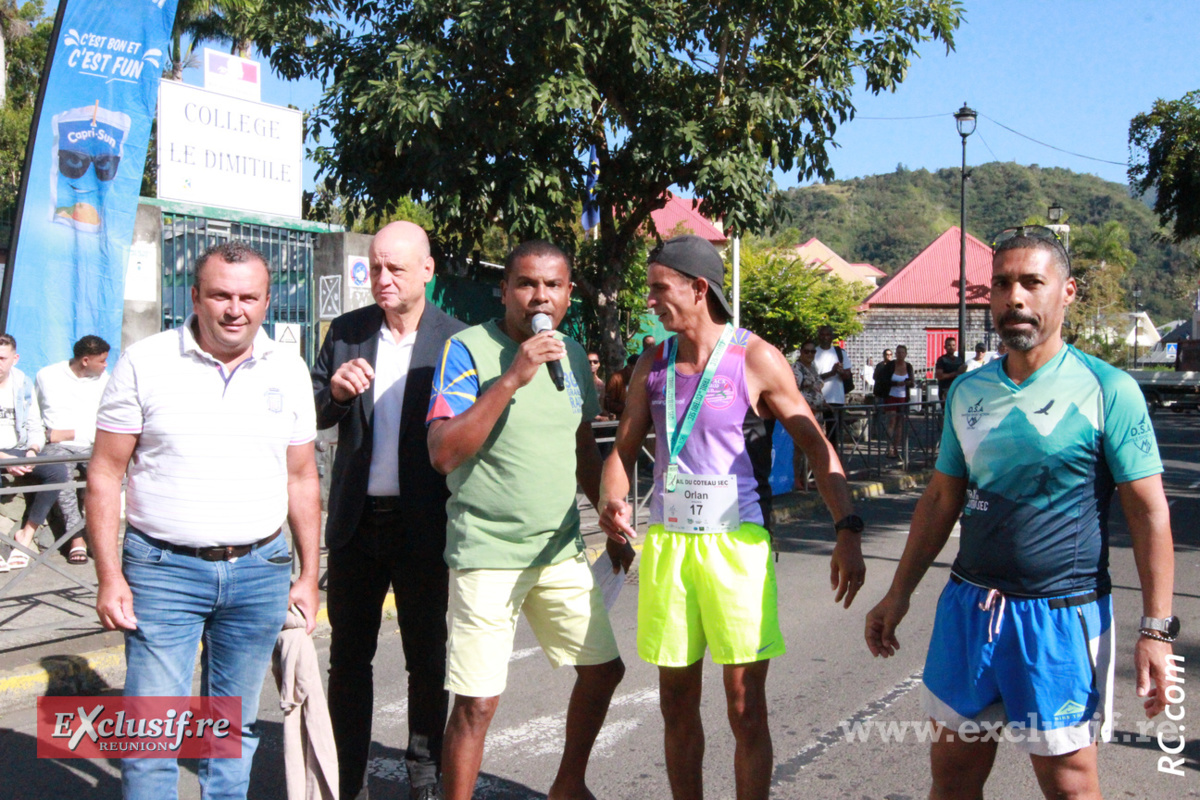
{"x": 226, "y": 553}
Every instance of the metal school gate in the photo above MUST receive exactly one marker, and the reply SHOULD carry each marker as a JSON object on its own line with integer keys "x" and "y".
{"x": 289, "y": 253}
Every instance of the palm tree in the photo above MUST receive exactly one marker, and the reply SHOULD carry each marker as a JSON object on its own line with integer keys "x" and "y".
{"x": 199, "y": 21}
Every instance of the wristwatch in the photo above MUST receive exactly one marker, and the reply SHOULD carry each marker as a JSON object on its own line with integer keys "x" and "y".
{"x": 852, "y": 523}
{"x": 1166, "y": 630}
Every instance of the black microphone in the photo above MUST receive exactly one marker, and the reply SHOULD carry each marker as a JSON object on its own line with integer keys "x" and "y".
{"x": 541, "y": 323}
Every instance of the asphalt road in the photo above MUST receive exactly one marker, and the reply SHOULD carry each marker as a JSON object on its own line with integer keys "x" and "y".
{"x": 823, "y": 686}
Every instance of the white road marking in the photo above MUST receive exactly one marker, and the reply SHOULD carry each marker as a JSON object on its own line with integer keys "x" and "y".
{"x": 517, "y": 655}
{"x": 544, "y": 735}
{"x": 814, "y": 750}
{"x": 397, "y": 711}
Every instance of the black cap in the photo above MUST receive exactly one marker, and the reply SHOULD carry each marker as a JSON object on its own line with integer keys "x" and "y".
{"x": 696, "y": 257}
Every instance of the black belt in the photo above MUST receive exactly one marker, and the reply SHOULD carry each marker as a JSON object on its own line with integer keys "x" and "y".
{"x": 1055, "y": 602}
{"x": 227, "y": 553}
{"x": 386, "y": 504}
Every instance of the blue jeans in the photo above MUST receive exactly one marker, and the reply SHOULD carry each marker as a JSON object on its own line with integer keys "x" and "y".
{"x": 238, "y": 608}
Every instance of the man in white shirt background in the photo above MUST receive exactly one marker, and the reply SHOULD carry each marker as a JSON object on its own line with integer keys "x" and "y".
{"x": 22, "y": 436}
{"x": 833, "y": 365}
{"x": 981, "y": 357}
{"x": 68, "y": 394}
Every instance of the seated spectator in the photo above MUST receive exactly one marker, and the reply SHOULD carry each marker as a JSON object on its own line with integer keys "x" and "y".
{"x": 21, "y": 436}
{"x": 69, "y": 394}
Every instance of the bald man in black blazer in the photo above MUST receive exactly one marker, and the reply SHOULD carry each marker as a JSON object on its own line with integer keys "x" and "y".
{"x": 387, "y": 506}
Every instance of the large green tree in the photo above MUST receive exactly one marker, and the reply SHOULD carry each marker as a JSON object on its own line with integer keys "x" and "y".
{"x": 484, "y": 110}
{"x": 25, "y": 59}
{"x": 784, "y": 300}
{"x": 1100, "y": 259}
{"x": 1164, "y": 159}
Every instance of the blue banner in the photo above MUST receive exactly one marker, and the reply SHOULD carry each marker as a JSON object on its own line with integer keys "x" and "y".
{"x": 591, "y": 209}
{"x": 84, "y": 176}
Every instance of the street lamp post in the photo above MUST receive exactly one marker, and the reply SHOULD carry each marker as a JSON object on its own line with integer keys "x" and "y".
{"x": 965, "y": 121}
{"x": 1137, "y": 295}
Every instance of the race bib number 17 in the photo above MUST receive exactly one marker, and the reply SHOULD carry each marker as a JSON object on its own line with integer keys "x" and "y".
{"x": 702, "y": 504}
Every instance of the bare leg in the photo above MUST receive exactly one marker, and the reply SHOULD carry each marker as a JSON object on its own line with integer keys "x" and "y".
{"x": 746, "y": 704}
{"x": 594, "y": 687}
{"x": 960, "y": 769}
{"x": 462, "y": 749}
{"x": 679, "y": 698}
{"x": 1071, "y": 777}
{"x": 25, "y": 535}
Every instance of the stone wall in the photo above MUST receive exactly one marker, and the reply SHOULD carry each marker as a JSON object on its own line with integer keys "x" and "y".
{"x": 885, "y": 327}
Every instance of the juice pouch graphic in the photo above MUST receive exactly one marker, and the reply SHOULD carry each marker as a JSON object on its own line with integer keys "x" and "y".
{"x": 88, "y": 143}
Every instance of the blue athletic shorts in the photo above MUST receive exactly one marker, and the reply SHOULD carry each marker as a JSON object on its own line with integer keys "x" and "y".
{"x": 1037, "y": 672}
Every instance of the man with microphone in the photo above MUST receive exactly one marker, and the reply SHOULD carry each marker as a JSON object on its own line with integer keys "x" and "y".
{"x": 513, "y": 438}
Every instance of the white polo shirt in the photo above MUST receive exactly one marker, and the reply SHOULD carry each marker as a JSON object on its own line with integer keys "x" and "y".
{"x": 69, "y": 402}
{"x": 210, "y": 465}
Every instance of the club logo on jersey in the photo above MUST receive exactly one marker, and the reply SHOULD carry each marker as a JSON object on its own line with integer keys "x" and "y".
{"x": 573, "y": 393}
{"x": 1142, "y": 435}
{"x": 974, "y": 413}
{"x": 720, "y": 393}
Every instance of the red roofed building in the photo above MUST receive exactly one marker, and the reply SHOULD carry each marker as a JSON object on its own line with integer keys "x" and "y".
{"x": 680, "y": 215}
{"x": 918, "y": 306}
{"x": 819, "y": 255}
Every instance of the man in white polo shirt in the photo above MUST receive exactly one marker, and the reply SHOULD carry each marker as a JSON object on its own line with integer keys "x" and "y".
{"x": 216, "y": 425}
{"x": 69, "y": 395}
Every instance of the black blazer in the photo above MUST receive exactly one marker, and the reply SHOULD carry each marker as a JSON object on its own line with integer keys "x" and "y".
{"x": 423, "y": 491}
{"x": 883, "y": 379}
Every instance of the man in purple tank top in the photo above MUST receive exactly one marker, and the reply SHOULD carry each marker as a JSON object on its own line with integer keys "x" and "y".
{"x": 707, "y": 580}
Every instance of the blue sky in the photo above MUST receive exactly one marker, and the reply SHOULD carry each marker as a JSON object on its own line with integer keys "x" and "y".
{"x": 1070, "y": 73}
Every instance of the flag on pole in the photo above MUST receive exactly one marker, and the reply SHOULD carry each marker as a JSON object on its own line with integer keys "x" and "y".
{"x": 591, "y": 208}
{"x": 65, "y": 276}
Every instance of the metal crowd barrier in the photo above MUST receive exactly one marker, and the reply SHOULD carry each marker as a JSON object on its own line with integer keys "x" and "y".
{"x": 860, "y": 436}
{"x": 13, "y": 486}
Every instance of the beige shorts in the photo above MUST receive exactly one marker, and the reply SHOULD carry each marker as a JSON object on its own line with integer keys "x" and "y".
{"x": 562, "y": 603}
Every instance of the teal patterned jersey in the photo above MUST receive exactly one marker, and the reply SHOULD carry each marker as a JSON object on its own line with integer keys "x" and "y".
{"x": 1042, "y": 460}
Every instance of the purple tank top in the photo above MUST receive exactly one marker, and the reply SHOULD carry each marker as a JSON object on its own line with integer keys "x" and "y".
{"x": 728, "y": 438}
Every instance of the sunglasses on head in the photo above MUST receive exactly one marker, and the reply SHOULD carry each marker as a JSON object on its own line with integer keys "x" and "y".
{"x": 1039, "y": 232}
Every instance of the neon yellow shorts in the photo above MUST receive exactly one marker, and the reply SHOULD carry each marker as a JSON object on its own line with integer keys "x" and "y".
{"x": 714, "y": 590}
